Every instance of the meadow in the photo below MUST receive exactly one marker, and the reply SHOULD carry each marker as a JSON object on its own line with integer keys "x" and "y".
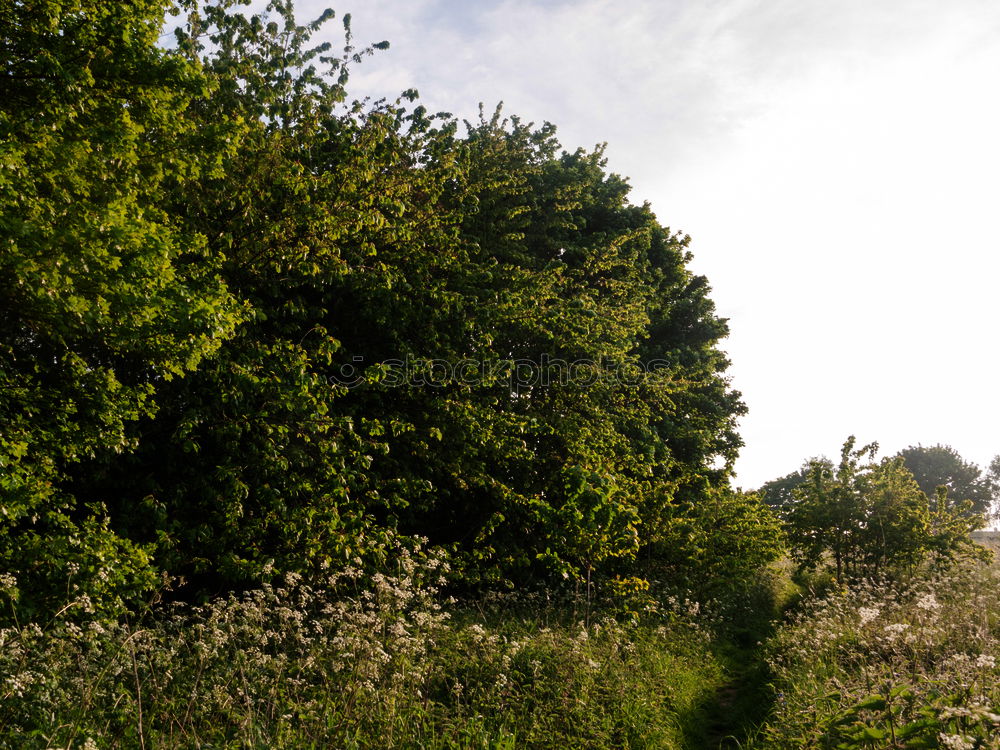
{"x": 380, "y": 662}
{"x": 904, "y": 664}
{"x": 391, "y": 661}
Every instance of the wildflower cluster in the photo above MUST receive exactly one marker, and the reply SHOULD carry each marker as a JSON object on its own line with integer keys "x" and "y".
{"x": 355, "y": 660}
{"x": 281, "y": 666}
{"x": 895, "y": 665}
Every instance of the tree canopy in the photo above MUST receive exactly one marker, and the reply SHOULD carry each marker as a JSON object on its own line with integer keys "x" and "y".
{"x": 252, "y": 325}
{"x": 106, "y": 295}
{"x": 780, "y": 492}
{"x": 870, "y": 518}
{"x": 941, "y": 466}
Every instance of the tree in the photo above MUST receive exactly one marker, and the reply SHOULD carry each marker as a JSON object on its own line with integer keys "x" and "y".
{"x": 104, "y": 296}
{"x": 871, "y": 518}
{"x": 941, "y": 466}
{"x": 894, "y": 531}
{"x": 267, "y": 236}
{"x": 828, "y": 510}
{"x": 993, "y": 477}
{"x": 780, "y": 492}
{"x": 721, "y": 542}
{"x": 251, "y": 463}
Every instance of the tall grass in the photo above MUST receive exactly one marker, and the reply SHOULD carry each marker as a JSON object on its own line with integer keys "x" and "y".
{"x": 354, "y": 662}
{"x": 912, "y": 665}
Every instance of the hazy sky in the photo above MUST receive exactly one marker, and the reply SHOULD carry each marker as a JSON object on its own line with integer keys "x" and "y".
{"x": 837, "y": 165}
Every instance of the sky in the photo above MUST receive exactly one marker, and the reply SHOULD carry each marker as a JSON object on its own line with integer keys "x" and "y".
{"x": 837, "y": 165}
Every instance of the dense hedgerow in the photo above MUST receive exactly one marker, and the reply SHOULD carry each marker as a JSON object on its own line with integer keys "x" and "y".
{"x": 251, "y": 325}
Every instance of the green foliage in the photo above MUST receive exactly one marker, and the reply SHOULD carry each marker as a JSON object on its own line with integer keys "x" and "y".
{"x": 714, "y": 546}
{"x": 105, "y": 295}
{"x": 250, "y": 330}
{"x": 871, "y": 519}
{"x": 941, "y": 466}
{"x": 780, "y": 492}
{"x": 203, "y": 242}
{"x": 740, "y": 534}
{"x": 357, "y": 236}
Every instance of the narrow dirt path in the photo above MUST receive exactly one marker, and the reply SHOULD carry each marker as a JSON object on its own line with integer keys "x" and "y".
{"x": 739, "y": 706}
{"x": 742, "y": 703}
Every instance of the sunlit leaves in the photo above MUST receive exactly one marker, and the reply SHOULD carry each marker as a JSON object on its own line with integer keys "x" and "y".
{"x": 104, "y": 294}
{"x": 198, "y": 239}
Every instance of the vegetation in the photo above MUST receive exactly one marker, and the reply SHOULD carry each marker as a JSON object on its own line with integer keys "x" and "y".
{"x": 941, "y": 466}
{"x": 872, "y": 520}
{"x": 359, "y": 662}
{"x": 339, "y": 423}
{"x": 893, "y": 665}
{"x": 932, "y": 467}
{"x": 289, "y": 327}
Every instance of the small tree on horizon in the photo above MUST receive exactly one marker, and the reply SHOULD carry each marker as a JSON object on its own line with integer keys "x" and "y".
{"x": 941, "y": 466}
{"x": 871, "y": 519}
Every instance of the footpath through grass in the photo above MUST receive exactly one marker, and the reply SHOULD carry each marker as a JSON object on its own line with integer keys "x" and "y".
{"x": 741, "y": 704}
{"x": 389, "y": 664}
{"x": 743, "y": 701}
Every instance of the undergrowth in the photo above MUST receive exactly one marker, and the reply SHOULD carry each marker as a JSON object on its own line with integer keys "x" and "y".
{"x": 892, "y": 665}
{"x": 387, "y": 661}
{"x": 355, "y": 662}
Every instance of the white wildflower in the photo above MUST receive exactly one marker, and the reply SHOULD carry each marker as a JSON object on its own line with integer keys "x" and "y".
{"x": 868, "y": 614}
{"x": 928, "y": 602}
{"x": 896, "y": 629}
{"x": 956, "y": 742}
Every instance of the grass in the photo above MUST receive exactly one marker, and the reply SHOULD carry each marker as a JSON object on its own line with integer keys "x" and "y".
{"x": 745, "y": 621}
{"x": 357, "y": 663}
{"x": 905, "y": 664}
{"x": 386, "y": 661}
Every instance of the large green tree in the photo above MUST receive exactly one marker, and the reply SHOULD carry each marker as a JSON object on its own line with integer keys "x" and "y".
{"x": 251, "y": 461}
{"x": 104, "y": 295}
{"x": 554, "y": 267}
{"x": 289, "y": 326}
{"x": 942, "y": 466}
